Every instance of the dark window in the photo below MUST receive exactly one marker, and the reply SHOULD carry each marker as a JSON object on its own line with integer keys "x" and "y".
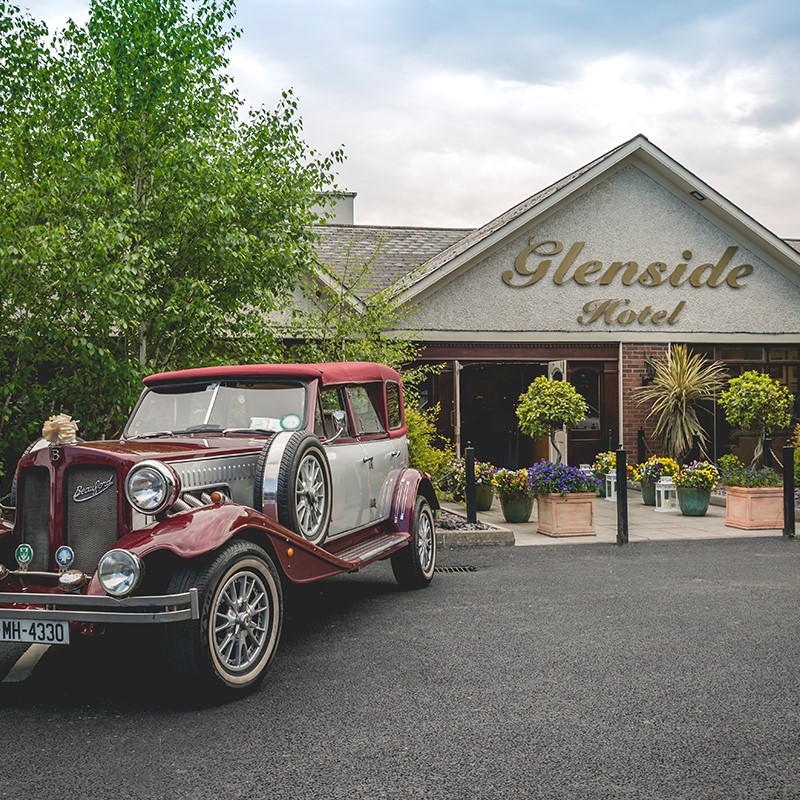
{"x": 393, "y": 405}
{"x": 365, "y": 414}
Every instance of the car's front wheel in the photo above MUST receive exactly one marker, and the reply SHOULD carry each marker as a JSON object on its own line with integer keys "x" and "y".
{"x": 413, "y": 566}
{"x": 241, "y": 615}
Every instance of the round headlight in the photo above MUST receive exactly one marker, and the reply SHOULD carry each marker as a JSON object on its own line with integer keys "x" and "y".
{"x": 119, "y": 572}
{"x": 151, "y": 487}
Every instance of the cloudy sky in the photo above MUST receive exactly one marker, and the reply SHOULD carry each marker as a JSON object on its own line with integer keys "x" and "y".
{"x": 452, "y": 111}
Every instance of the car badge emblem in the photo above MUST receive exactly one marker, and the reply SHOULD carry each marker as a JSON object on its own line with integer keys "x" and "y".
{"x": 55, "y": 454}
{"x": 24, "y": 556}
{"x": 84, "y": 493}
{"x": 65, "y": 557}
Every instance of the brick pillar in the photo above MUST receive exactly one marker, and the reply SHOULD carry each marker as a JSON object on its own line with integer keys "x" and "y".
{"x": 634, "y": 416}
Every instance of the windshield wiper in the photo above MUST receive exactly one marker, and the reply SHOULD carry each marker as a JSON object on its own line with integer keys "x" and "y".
{"x": 262, "y": 431}
{"x": 200, "y": 429}
{"x": 148, "y": 435}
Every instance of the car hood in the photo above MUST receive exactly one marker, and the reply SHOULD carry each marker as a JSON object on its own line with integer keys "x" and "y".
{"x": 169, "y": 448}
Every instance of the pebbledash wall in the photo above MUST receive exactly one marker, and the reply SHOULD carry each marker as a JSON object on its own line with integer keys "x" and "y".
{"x": 604, "y": 270}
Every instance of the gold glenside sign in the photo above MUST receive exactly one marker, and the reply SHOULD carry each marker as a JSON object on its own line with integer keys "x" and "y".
{"x": 535, "y": 263}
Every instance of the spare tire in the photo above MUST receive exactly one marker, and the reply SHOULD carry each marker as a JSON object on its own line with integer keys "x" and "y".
{"x": 293, "y": 484}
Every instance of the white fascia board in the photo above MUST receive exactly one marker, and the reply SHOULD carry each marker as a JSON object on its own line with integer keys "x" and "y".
{"x": 596, "y": 337}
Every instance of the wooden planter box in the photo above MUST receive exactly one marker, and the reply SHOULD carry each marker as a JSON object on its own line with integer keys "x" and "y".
{"x": 753, "y": 509}
{"x": 567, "y": 515}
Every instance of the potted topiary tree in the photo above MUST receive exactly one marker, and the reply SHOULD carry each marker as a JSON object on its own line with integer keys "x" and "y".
{"x": 546, "y": 406}
{"x": 756, "y": 402}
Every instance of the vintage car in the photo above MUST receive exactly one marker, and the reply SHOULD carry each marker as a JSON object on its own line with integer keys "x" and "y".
{"x": 226, "y": 482}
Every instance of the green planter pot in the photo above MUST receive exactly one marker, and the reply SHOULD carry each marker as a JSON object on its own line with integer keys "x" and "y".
{"x": 516, "y": 507}
{"x": 484, "y": 495}
{"x": 693, "y": 502}
{"x": 601, "y": 490}
{"x": 648, "y": 493}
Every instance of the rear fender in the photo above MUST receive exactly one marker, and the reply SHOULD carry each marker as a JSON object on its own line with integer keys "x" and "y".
{"x": 412, "y": 484}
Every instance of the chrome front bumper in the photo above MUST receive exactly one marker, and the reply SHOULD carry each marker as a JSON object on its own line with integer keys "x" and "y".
{"x": 100, "y": 608}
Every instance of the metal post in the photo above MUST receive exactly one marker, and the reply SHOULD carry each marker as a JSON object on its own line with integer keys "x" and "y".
{"x": 472, "y": 504}
{"x": 622, "y": 496}
{"x": 610, "y": 439}
{"x": 768, "y": 451}
{"x": 640, "y": 446}
{"x": 694, "y": 455}
{"x": 788, "y": 491}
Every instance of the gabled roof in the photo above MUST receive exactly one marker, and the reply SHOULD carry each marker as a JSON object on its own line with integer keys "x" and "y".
{"x": 638, "y": 150}
{"x": 405, "y": 262}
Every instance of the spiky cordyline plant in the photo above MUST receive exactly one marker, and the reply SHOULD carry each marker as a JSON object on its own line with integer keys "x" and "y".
{"x": 680, "y": 382}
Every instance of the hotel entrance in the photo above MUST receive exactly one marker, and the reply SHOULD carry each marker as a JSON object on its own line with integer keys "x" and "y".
{"x": 489, "y": 395}
{"x": 484, "y": 408}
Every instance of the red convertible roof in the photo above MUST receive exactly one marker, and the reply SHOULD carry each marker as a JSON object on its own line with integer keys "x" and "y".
{"x": 333, "y": 373}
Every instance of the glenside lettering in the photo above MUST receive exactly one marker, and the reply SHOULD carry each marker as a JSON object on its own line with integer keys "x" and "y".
{"x": 529, "y": 271}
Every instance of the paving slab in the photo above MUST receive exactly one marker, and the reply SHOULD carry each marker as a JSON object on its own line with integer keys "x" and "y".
{"x": 644, "y": 524}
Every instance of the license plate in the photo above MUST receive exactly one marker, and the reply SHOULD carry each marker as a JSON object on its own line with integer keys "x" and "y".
{"x": 34, "y": 631}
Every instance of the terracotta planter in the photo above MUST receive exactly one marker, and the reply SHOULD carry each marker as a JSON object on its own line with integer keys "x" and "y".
{"x": 484, "y": 495}
{"x": 648, "y": 493}
{"x": 567, "y": 515}
{"x": 516, "y": 507}
{"x": 693, "y": 502}
{"x": 754, "y": 509}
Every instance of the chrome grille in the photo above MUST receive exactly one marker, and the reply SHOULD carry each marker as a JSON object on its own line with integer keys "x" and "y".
{"x": 33, "y": 503}
{"x": 90, "y": 521}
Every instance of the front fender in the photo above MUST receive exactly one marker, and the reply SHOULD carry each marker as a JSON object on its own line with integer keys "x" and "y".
{"x": 195, "y": 533}
{"x": 204, "y": 530}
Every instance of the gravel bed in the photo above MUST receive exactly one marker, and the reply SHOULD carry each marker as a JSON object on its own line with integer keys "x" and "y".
{"x": 447, "y": 521}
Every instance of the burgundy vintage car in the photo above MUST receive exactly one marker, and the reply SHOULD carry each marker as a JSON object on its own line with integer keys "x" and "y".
{"x": 227, "y": 482}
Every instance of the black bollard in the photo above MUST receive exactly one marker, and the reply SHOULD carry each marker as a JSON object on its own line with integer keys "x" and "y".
{"x": 622, "y": 496}
{"x": 788, "y": 491}
{"x": 472, "y": 503}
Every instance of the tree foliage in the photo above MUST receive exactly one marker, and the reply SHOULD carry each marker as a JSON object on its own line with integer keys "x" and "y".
{"x": 756, "y": 402}
{"x": 147, "y": 222}
{"x": 680, "y": 382}
{"x": 547, "y": 405}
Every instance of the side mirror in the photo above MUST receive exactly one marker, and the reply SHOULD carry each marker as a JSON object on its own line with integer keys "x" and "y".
{"x": 339, "y": 418}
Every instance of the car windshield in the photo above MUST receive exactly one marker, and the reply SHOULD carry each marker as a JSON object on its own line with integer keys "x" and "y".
{"x": 220, "y": 406}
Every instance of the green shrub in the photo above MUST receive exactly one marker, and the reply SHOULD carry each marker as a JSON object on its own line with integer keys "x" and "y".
{"x": 424, "y": 452}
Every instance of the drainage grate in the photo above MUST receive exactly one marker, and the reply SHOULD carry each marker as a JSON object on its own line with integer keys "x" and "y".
{"x": 455, "y": 569}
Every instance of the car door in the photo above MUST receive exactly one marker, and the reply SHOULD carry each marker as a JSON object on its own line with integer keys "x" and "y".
{"x": 350, "y": 474}
{"x": 384, "y": 456}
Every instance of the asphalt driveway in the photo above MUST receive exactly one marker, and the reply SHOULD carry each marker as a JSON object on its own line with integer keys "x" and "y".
{"x": 656, "y": 670}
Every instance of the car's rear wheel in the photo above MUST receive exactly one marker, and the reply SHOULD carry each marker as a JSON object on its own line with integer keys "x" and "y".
{"x": 413, "y": 566}
{"x": 241, "y": 614}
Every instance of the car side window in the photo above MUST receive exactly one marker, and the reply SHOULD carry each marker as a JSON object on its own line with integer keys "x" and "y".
{"x": 393, "y": 410}
{"x": 367, "y": 418}
{"x": 332, "y": 402}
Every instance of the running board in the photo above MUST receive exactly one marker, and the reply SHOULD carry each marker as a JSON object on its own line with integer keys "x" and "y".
{"x": 360, "y": 554}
